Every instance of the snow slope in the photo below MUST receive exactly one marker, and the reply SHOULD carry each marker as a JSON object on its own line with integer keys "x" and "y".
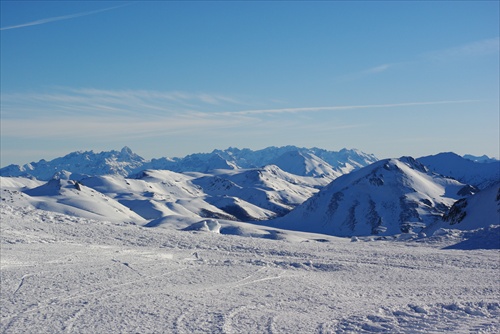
{"x": 306, "y": 164}
{"x": 479, "y": 174}
{"x": 242, "y": 194}
{"x": 62, "y": 274}
{"x": 269, "y": 188}
{"x": 478, "y": 211}
{"x": 73, "y": 198}
{"x": 386, "y": 198}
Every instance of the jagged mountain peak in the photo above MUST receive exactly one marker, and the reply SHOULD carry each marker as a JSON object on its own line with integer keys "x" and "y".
{"x": 302, "y": 161}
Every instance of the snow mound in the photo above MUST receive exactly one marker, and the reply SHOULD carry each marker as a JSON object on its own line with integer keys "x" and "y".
{"x": 207, "y": 225}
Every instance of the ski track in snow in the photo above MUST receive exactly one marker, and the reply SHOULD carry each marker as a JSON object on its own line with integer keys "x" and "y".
{"x": 67, "y": 275}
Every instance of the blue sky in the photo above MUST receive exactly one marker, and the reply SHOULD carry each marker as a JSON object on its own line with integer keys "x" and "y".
{"x": 172, "y": 78}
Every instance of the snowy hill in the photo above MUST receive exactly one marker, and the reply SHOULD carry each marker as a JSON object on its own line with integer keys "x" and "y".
{"x": 68, "y": 197}
{"x": 479, "y": 174}
{"x": 125, "y": 162}
{"x": 242, "y": 194}
{"x": 386, "y": 198}
{"x": 269, "y": 188}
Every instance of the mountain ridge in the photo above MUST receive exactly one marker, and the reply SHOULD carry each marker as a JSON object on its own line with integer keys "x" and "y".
{"x": 125, "y": 162}
{"x": 295, "y": 189}
{"x": 388, "y": 197}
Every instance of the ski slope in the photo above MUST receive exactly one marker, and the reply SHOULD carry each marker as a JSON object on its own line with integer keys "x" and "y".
{"x": 66, "y": 274}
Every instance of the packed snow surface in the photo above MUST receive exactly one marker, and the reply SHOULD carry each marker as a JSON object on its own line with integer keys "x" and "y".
{"x": 65, "y": 274}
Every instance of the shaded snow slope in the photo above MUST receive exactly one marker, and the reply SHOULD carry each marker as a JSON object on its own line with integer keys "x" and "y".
{"x": 479, "y": 174}
{"x": 478, "y": 211}
{"x": 62, "y": 274}
{"x": 386, "y": 198}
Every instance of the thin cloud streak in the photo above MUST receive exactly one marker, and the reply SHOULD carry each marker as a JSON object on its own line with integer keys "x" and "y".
{"x": 90, "y": 101}
{"x": 148, "y": 104}
{"x": 339, "y": 108}
{"x": 378, "y": 69}
{"x": 60, "y": 18}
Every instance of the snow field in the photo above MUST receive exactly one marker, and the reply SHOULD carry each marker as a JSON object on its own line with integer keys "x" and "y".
{"x": 63, "y": 274}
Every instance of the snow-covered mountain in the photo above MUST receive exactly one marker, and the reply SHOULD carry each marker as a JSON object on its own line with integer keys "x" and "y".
{"x": 482, "y": 158}
{"x": 316, "y": 162}
{"x": 80, "y": 163}
{"x": 68, "y": 197}
{"x": 478, "y": 174}
{"x": 269, "y": 188}
{"x": 477, "y": 211}
{"x": 241, "y": 194}
{"x": 386, "y": 198}
{"x": 305, "y": 163}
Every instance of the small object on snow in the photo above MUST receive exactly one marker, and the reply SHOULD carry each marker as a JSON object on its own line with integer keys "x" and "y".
{"x": 354, "y": 239}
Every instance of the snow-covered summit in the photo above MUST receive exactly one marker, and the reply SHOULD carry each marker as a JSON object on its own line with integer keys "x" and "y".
{"x": 315, "y": 162}
{"x": 388, "y": 197}
{"x": 479, "y": 174}
{"x": 80, "y": 162}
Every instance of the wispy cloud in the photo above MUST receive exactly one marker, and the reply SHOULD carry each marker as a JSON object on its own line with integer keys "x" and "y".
{"x": 90, "y": 114}
{"x": 341, "y": 108}
{"x": 378, "y": 69}
{"x": 474, "y": 49}
{"x": 69, "y": 102}
{"x": 81, "y": 113}
{"x": 59, "y": 18}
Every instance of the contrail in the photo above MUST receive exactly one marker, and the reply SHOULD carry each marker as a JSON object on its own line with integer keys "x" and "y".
{"x": 60, "y": 18}
{"x": 312, "y": 109}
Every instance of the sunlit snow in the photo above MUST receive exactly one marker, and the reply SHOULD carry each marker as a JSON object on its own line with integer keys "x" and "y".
{"x": 63, "y": 274}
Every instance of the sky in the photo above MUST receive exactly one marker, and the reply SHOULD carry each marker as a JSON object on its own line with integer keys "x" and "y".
{"x": 168, "y": 79}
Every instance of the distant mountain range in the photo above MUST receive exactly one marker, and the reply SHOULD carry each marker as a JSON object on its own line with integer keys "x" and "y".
{"x": 301, "y": 161}
{"x": 345, "y": 193}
